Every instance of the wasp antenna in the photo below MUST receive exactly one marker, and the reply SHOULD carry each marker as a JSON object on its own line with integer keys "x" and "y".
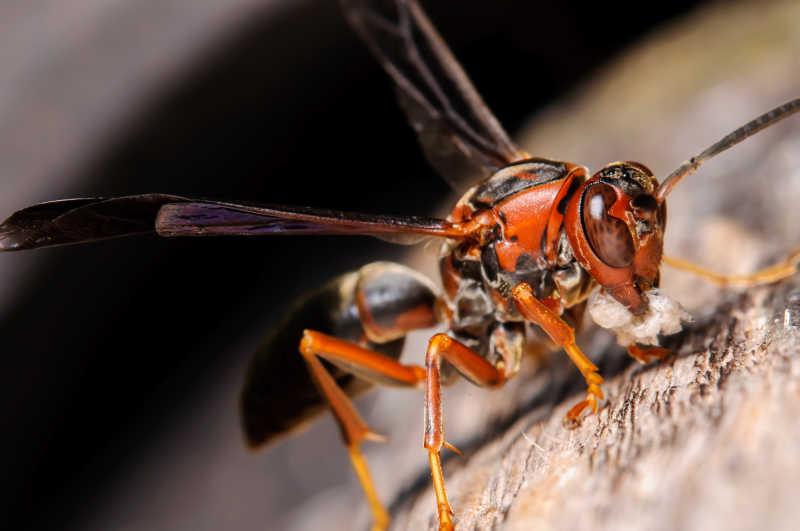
{"x": 749, "y": 129}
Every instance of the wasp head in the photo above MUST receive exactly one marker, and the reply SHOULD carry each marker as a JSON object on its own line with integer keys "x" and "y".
{"x": 616, "y": 229}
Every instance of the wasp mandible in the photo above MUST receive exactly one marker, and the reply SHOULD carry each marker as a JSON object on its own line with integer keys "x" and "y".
{"x": 524, "y": 247}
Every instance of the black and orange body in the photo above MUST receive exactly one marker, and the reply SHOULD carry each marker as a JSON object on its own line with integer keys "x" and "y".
{"x": 515, "y": 222}
{"x": 543, "y": 223}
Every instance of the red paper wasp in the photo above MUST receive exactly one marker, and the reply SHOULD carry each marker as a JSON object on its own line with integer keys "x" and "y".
{"x": 526, "y": 244}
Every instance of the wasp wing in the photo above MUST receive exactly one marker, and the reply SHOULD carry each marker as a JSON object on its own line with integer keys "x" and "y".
{"x": 69, "y": 221}
{"x": 458, "y": 133}
{"x": 212, "y": 218}
{"x": 72, "y": 221}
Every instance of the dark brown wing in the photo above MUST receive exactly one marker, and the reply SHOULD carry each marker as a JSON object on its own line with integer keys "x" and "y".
{"x": 210, "y": 218}
{"x": 73, "y": 221}
{"x": 460, "y": 136}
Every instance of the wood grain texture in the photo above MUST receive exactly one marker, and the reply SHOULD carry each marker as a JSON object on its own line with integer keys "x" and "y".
{"x": 706, "y": 439}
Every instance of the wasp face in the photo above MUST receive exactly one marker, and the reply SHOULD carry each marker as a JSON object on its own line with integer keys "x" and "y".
{"x": 616, "y": 229}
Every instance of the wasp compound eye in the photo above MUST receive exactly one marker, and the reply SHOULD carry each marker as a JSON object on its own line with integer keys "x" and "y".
{"x": 608, "y": 236}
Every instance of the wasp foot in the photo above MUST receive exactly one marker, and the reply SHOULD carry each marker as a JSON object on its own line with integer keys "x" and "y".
{"x": 593, "y": 393}
{"x": 645, "y": 355}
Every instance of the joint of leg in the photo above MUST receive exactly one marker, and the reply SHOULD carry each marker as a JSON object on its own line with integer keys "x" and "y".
{"x": 521, "y": 290}
{"x": 595, "y": 390}
{"x": 444, "y": 508}
{"x": 594, "y": 379}
{"x": 501, "y": 375}
{"x": 431, "y": 446}
{"x": 438, "y": 343}
{"x": 305, "y": 344}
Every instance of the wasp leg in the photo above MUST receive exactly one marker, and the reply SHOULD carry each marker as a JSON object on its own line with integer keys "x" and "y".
{"x": 475, "y": 368}
{"x": 562, "y": 335}
{"x": 644, "y": 355}
{"x": 774, "y": 273}
{"x": 366, "y": 364}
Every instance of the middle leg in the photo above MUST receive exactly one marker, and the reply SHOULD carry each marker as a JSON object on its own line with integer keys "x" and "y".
{"x": 478, "y": 370}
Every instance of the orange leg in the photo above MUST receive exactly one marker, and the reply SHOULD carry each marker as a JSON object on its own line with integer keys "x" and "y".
{"x": 562, "y": 335}
{"x": 366, "y": 364}
{"x": 477, "y": 370}
{"x": 774, "y": 273}
{"x": 644, "y": 355}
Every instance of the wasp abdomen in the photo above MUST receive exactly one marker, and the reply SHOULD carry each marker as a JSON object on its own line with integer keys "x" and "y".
{"x": 373, "y": 307}
{"x": 392, "y": 300}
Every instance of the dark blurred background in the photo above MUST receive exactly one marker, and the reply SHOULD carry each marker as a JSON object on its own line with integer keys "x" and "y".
{"x": 109, "y": 348}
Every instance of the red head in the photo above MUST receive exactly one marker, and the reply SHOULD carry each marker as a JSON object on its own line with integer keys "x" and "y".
{"x": 616, "y": 229}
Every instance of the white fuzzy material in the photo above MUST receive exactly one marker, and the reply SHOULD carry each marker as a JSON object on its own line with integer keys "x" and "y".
{"x": 664, "y": 316}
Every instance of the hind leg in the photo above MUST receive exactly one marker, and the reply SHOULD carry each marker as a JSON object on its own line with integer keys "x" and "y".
{"x": 476, "y": 369}
{"x": 366, "y": 364}
{"x": 389, "y": 300}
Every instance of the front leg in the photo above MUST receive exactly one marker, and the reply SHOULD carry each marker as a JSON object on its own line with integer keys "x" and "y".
{"x": 562, "y": 335}
{"x": 644, "y": 355}
{"x": 476, "y": 369}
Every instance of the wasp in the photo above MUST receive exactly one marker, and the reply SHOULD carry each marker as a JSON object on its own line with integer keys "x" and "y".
{"x": 523, "y": 251}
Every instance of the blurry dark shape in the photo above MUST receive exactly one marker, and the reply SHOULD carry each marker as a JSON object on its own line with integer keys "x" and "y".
{"x": 459, "y": 135}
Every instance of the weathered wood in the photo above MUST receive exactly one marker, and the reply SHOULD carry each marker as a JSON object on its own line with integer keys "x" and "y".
{"x": 706, "y": 439}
